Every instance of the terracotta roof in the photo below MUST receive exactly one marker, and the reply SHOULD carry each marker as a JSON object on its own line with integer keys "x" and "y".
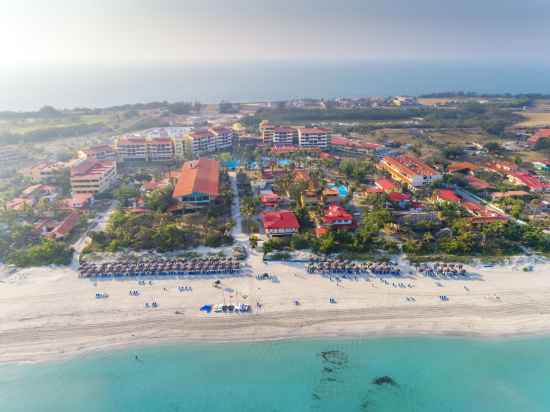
{"x": 78, "y": 199}
{"x": 90, "y": 167}
{"x": 67, "y": 225}
{"x": 199, "y": 176}
{"x": 511, "y": 193}
{"x": 410, "y": 166}
{"x": 313, "y": 130}
{"x": 398, "y": 197}
{"x": 533, "y": 182}
{"x": 336, "y": 212}
{"x": 478, "y": 184}
{"x": 459, "y": 166}
{"x": 283, "y": 219}
{"x": 386, "y": 185}
{"x": 270, "y": 198}
{"x": 131, "y": 140}
{"x": 200, "y": 134}
{"x": 447, "y": 195}
{"x": 301, "y": 176}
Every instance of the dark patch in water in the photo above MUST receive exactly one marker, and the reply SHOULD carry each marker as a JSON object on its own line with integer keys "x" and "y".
{"x": 365, "y": 406}
{"x": 384, "y": 380}
{"x": 335, "y": 357}
{"x": 316, "y": 397}
{"x": 328, "y": 370}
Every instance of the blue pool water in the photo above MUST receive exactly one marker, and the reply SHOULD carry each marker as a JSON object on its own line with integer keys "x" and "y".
{"x": 425, "y": 374}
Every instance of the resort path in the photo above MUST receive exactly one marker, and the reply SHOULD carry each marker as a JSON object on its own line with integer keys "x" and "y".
{"x": 237, "y": 231}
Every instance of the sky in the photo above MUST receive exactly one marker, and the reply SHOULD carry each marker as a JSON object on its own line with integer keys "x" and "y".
{"x": 119, "y": 32}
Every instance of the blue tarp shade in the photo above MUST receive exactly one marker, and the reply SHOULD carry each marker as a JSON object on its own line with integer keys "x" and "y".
{"x": 206, "y": 308}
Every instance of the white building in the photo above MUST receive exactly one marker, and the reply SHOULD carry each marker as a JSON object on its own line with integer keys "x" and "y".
{"x": 93, "y": 176}
{"x": 313, "y": 137}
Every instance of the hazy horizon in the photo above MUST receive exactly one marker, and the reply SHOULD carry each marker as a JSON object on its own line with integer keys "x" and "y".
{"x": 100, "y": 53}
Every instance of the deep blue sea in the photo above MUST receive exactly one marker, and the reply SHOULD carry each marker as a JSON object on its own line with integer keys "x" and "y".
{"x": 418, "y": 374}
{"x": 66, "y": 86}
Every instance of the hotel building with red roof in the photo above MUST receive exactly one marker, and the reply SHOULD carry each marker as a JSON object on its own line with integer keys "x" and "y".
{"x": 313, "y": 137}
{"x": 137, "y": 148}
{"x": 93, "y": 176}
{"x": 410, "y": 171}
{"x": 210, "y": 140}
{"x": 198, "y": 183}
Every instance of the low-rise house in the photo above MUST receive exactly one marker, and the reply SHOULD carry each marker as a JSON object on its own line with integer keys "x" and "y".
{"x": 280, "y": 223}
{"x": 502, "y": 167}
{"x": 463, "y": 167}
{"x": 402, "y": 200}
{"x": 270, "y": 200}
{"x": 331, "y": 195}
{"x": 479, "y": 184}
{"x": 386, "y": 185}
{"x": 19, "y": 203}
{"x": 80, "y": 200}
{"x": 63, "y": 229}
{"x": 337, "y": 217}
{"x": 309, "y": 197}
{"x": 445, "y": 196}
{"x": 525, "y": 179}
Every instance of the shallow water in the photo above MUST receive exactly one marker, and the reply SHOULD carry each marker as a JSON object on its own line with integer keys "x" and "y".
{"x": 418, "y": 374}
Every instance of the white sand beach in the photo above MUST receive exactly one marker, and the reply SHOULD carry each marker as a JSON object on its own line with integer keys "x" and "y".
{"x": 48, "y": 313}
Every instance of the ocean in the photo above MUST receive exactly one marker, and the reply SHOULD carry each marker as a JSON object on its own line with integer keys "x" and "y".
{"x": 66, "y": 86}
{"x": 375, "y": 375}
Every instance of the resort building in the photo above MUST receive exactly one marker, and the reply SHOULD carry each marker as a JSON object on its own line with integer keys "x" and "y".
{"x": 210, "y": 140}
{"x": 93, "y": 176}
{"x": 100, "y": 152}
{"x": 284, "y": 136}
{"x": 409, "y": 171}
{"x": 313, "y": 137}
{"x": 160, "y": 149}
{"x": 132, "y": 148}
{"x": 525, "y": 179}
{"x": 223, "y": 137}
{"x": 198, "y": 183}
{"x": 137, "y": 148}
{"x": 266, "y": 131}
{"x": 353, "y": 147}
{"x": 280, "y": 223}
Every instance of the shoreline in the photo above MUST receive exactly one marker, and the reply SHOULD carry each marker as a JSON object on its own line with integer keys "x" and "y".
{"x": 359, "y": 327}
{"x": 50, "y": 314}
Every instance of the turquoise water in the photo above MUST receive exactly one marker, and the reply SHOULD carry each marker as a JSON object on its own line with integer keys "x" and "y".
{"x": 428, "y": 374}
